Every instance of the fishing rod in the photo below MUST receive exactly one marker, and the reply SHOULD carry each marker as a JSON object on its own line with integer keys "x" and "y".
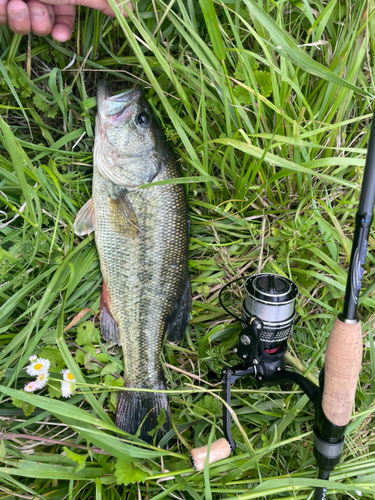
{"x": 343, "y": 359}
{"x": 268, "y": 314}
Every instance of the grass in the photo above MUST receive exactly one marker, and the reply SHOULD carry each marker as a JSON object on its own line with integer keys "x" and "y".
{"x": 268, "y": 107}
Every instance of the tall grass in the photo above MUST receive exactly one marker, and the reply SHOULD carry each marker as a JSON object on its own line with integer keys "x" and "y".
{"x": 268, "y": 106}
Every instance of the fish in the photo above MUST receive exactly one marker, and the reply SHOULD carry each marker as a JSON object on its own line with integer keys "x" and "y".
{"x": 142, "y": 239}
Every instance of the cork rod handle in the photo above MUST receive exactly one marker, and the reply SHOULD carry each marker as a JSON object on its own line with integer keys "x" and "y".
{"x": 341, "y": 370}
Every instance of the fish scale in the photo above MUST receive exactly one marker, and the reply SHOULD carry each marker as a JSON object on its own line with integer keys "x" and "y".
{"x": 142, "y": 237}
{"x": 144, "y": 274}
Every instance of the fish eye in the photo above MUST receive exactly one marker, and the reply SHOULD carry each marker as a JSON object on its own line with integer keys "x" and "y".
{"x": 144, "y": 119}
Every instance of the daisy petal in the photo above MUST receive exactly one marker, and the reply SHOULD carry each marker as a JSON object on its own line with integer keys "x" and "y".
{"x": 41, "y": 380}
{"x": 31, "y": 387}
{"x": 67, "y": 389}
{"x": 39, "y": 365}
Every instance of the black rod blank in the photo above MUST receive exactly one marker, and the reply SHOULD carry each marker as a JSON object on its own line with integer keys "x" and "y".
{"x": 363, "y": 223}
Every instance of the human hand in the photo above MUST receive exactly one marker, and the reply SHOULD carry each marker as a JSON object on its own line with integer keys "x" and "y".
{"x": 43, "y": 17}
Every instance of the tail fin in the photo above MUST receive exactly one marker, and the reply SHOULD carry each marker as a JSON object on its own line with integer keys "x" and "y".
{"x": 134, "y": 407}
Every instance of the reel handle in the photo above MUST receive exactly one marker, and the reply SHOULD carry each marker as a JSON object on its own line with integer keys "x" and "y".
{"x": 219, "y": 450}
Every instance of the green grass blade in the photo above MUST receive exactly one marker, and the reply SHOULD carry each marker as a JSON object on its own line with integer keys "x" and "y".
{"x": 211, "y": 20}
{"x": 287, "y": 47}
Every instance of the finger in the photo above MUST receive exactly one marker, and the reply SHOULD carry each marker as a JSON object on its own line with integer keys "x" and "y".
{"x": 64, "y": 22}
{"x": 18, "y": 17}
{"x": 120, "y": 3}
{"x": 101, "y": 5}
{"x": 40, "y": 17}
{"x": 3, "y": 12}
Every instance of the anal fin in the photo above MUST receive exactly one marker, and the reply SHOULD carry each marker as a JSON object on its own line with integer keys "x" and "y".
{"x": 85, "y": 219}
{"x": 108, "y": 325}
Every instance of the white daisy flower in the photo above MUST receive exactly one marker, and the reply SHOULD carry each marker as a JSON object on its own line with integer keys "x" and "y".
{"x": 67, "y": 389}
{"x": 67, "y": 375}
{"x": 38, "y": 366}
{"x": 41, "y": 380}
{"x": 31, "y": 387}
{"x": 33, "y": 358}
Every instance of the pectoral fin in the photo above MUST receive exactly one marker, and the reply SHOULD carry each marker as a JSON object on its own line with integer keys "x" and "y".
{"x": 121, "y": 204}
{"x": 85, "y": 219}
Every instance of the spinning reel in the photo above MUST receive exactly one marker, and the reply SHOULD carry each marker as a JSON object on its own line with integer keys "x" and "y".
{"x": 268, "y": 314}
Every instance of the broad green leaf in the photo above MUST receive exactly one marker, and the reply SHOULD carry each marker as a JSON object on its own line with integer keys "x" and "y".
{"x": 109, "y": 369}
{"x": 27, "y": 408}
{"x": 102, "y": 357}
{"x": 52, "y": 353}
{"x": 160, "y": 422}
{"x": 86, "y": 333}
{"x": 54, "y": 389}
{"x": 112, "y": 381}
{"x": 208, "y": 403}
{"x": 127, "y": 473}
{"x": 49, "y": 337}
{"x": 80, "y": 459}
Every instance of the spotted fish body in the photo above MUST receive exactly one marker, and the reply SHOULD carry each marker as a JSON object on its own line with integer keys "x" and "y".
{"x": 142, "y": 240}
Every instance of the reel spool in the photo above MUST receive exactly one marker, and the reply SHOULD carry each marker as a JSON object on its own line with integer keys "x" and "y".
{"x": 271, "y": 298}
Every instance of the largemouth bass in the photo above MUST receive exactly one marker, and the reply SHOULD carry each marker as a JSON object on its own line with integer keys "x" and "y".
{"x": 142, "y": 239}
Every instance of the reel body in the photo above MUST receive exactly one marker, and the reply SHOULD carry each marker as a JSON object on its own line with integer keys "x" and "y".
{"x": 268, "y": 314}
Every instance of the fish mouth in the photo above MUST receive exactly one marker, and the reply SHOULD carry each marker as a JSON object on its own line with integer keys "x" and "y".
{"x": 111, "y": 105}
{"x": 127, "y": 96}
